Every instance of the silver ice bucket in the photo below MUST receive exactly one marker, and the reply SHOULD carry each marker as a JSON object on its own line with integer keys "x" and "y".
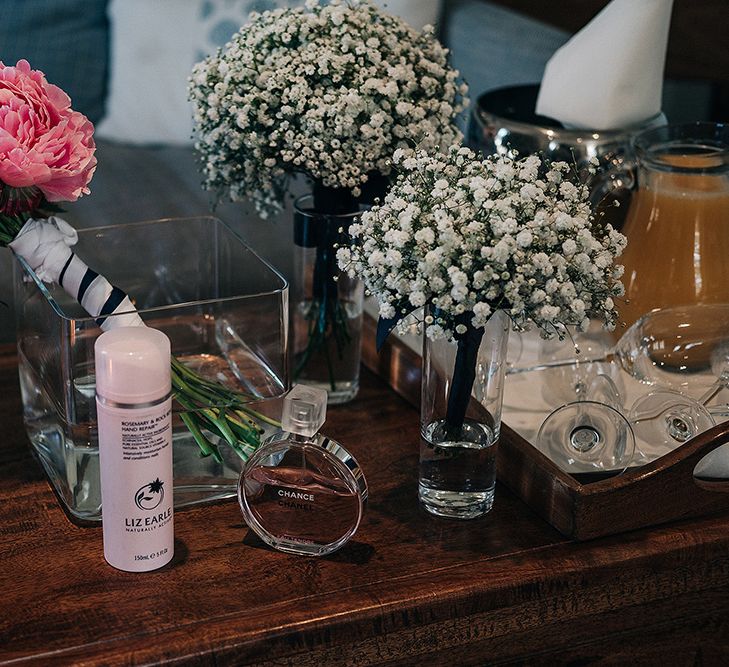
{"x": 503, "y": 121}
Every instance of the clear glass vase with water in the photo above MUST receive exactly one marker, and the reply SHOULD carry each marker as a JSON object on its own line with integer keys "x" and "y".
{"x": 461, "y": 401}
{"x": 327, "y": 305}
{"x": 225, "y": 311}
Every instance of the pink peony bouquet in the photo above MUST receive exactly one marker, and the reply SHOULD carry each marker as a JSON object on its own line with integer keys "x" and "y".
{"x": 45, "y": 145}
{"x": 46, "y": 156}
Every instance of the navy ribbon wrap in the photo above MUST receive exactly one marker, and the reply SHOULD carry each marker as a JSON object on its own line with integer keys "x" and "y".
{"x": 464, "y": 367}
{"x": 464, "y": 374}
{"x": 385, "y": 325}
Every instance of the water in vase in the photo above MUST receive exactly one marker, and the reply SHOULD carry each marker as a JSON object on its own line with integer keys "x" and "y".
{"x": 457, "y": 475}
{"x": 60, "y": 418}
{"x": 328, "y": 357}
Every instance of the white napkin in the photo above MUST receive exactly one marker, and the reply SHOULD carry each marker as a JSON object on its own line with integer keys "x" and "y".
{"x": 610, "y": 74}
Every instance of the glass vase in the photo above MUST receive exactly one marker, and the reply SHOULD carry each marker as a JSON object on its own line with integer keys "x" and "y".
{"x": 225, "y": 311}
{"x": 326, "y": 305}
{"x": 462, "y": 394}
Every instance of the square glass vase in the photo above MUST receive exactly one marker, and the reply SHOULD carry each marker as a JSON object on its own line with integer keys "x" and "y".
{"x": 225, "y": 311}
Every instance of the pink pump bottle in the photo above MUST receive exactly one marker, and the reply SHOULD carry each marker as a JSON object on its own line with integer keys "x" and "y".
{"x": 134, "y": 408}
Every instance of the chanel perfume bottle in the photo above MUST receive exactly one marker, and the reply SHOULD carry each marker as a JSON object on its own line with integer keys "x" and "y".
{"x": 302, "y": 492}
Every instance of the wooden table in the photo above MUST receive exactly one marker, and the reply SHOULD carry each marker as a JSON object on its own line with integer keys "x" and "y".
{"x": 410, "y": 589}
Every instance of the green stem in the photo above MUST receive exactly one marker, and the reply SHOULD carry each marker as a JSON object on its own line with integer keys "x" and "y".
{"x": 207, "y": 448}
{"x": 330, "y": 368}
{"x": 206, "y": 407}
{"x": 254, "y": 415}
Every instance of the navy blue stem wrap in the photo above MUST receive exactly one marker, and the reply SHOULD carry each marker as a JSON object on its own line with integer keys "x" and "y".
{"x": 464, "y": 368}
{"x": 464, "y": 374}
{"x": 385, "y": 325}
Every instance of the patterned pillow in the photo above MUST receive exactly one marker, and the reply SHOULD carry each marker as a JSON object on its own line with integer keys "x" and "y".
{"x": 154, "y": 46}
{"x": 67, "y": 40}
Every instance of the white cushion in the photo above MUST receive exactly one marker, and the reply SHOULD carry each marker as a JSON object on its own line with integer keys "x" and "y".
{"x": 154, "y": 45}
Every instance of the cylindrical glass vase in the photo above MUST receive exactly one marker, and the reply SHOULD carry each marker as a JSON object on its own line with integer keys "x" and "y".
{"x": 462, "y": 394}
{"x": 326, "y": 305}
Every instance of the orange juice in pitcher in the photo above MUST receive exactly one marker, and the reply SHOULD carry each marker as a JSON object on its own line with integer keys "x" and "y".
{"x": 678, "y": 222}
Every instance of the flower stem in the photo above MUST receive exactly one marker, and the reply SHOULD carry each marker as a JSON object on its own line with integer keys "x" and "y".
{"x": 212, "y": 407}
{"x": 326, "y": 316}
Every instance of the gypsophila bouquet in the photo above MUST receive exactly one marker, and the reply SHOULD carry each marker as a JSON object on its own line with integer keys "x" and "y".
{"x": 468, "y": 236}
{"x": 330, "y": 91}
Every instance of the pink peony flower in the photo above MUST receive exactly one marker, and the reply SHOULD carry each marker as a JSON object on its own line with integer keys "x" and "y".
{"x": 43, "y": 142}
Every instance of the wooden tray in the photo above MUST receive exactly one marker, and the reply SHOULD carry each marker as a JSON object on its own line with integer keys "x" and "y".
{"x": 576, "y": 505}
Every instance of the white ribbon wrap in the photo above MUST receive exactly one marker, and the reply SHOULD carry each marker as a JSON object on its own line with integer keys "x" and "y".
{"x": 46, "y": 246}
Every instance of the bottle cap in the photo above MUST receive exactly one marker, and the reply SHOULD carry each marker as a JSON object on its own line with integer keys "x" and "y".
{"x": 304, "y": 410}
{"x": 132, "y": 365}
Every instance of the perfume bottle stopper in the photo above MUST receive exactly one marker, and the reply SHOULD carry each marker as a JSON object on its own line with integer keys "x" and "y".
{"x": 304, "y": 410}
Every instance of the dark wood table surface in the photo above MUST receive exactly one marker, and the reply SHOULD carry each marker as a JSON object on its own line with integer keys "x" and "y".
{"x": 410, "y": 589}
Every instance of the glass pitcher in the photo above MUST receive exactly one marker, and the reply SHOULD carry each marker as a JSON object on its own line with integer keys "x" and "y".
{"x": 678, "y": 222}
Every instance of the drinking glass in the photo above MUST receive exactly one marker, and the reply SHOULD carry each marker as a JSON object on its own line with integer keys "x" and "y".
{"x": 682, "y": 351}
{"x": 668, "y": 418}
{"x": 680, "y": 348}
{"x": 589, "y": 432}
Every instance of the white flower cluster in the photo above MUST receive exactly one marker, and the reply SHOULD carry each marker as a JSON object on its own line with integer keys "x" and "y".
{"x": 330, "y": 91}
{"x": 470, "y": 236}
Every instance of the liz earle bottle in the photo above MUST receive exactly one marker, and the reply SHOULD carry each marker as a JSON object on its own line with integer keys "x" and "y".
{"x": 134, "y": 408}
{"x": 302, "y": 492}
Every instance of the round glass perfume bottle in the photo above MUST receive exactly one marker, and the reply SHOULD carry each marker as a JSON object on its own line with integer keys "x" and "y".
{"x": 302, "y": 492}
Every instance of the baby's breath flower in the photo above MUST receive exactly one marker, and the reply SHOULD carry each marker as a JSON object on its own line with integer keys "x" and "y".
{"x": 331, "y": 90}
{"x": 487, "y": 235}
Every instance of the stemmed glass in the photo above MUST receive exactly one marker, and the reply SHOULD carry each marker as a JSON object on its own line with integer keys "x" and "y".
{"x": 668, "y": 418}
{"x": 590, "y": 432}
{"x": 669, "y": 347}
